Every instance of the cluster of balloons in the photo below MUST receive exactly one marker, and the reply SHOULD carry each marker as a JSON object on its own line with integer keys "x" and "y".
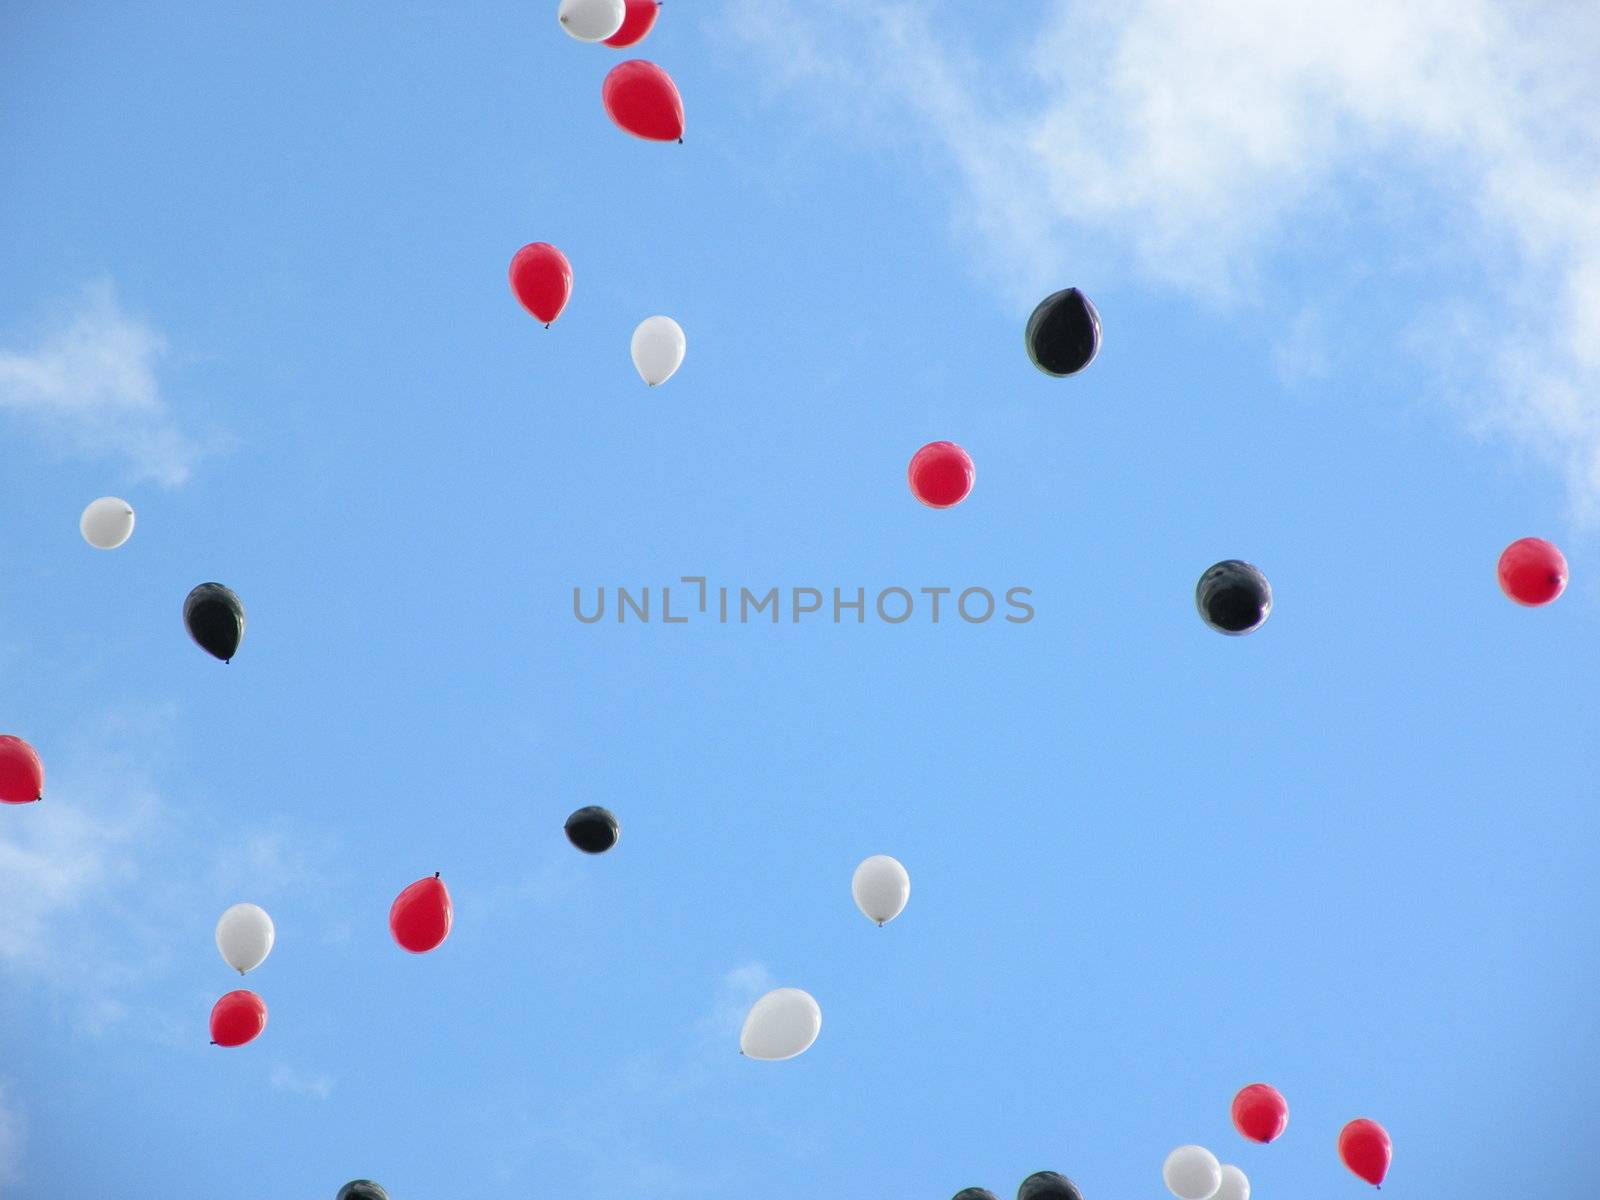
{"x": 1041, "y": 1185}
{"x": 245, "y": 936}
{"x": 638, "y": 95}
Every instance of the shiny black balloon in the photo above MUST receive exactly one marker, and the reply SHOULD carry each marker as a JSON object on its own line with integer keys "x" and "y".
{"x": 593, "y": 830}
{"x": 1047, "y": 1185}
{"x": 214, "y": 617}
{"x": 1063, "y": 335}
{"x": 1233, "y": 597}
{"x": 974, "y": 1194}
{"x": 362, "y": 1189}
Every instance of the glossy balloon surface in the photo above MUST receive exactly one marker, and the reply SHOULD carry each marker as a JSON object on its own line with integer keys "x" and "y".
{"x": 214, "y": 617}
{"x": 238, "y": 1018}
{"x": 1260, "y": 1112}
{"x": 1233, "y": 597}
{"x": 1048, "y": 1185}
{"x": 1364, "y": 1147}
{"x": 245, "y": 936}
{"x": 974, "y": 1193}
{"x": 639, "y": 21}
{"x": 421, "y": 915}
{"x": 594, "y": 830}
{"x": 941, "y": 475}
{"x": 658, "y": 348}
{"x": 362, "y": 1189}
{"x": 21, "y": 772}
{"x": 1192, "y": 1173}
{"x": 783, "y": 1023}
{"x": 1235, "y": 1184}
{"x": 541, "y": 280}
{"x": 1063, "y": 334}
{"x": 1532, "y": 572}
{"x": 106, "y": 523}
{"x": 591, "y": 20}
{"x": 642, "y": 99}
{"x": 880, "y": 888}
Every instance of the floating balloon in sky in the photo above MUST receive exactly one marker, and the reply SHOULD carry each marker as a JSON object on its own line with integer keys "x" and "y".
{"x": 1063, "y": 334}
{"x": 421, "y": 915}
{"x": 1192, "y": 1173}
{"x": 362, "y": 1189}
{"x": 214, "y": 617}
{"x": 1234, "y": 1186}
{"x": 237, "y": 1018}
{"x": 974, "y": 1193}
{"x": 642, "y": 99}
{"x": 1532, "y": 572}
{"x": 591, "y": 20}
{"x": 106, "y": 523}
{"x": 541, "y": 280}
{"x": 780, "y": 1025}
{"x": 881, "y": 888}
{"x": 1048, "y": 1185}
{"x": 641, "y": 19}
{"x": 1365, "y": 1148}
{"x": 1233, "y": 597}
{"x": 1260, "y": 1112}
{"x": 21, "y": 772}
{"x": 658, "y": 346}
{"x": 244, "y": 937}
{"x": 941, "y": 474}
{"x": 593, "y": 830}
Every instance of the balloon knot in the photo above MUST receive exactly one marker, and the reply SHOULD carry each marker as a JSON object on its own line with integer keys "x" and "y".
{"x": 547, "y": 324}
{"x": 680, "y": 141}
{"x": 436, "y": 874}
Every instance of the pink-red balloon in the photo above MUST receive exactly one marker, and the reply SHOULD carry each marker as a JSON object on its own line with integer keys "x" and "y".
{"x": 941, "y": 474}
{"x": 420, "y": 916}
{"x": 1364, "y": 1147}
{"x": 541, "y": 279}
{"x": 1532, "y": 572}
{"x": 641, "y": 19}
{"x": 237, "y": 1018}
{"x": 1260, "y": 1112}
{"x": 642, "y": 99}
{"x": 21, "y": 772}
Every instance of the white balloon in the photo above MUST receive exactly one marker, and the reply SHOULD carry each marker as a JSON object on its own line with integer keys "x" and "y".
{"x": 1235, "y": 1186}
{"x": 658, "y": 348}
{"x": 107, "y": 523}
{"x": 781, "y": 1024}
{"x": 881, "y": 888}
{"x": 1192, "y": 1173}
{"x": 592, "y": 20}
{"x": 245, "y": 936}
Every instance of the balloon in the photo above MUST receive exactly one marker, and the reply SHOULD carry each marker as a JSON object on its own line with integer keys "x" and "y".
{"x": 641, "y": 19}
{"x": 780, "y": 1025}
{"x": 237, "y": 1018}
{"x": 591, "y": 20}
{"x": 881, "y": 888}
{"x": 541, "y": 280}
{"x": 215, "y": 620}
{"x": 1365, "y": 1148}
{"x": 420, "y": 916}
{"x": 642, "y": 99}
{"x": 658, "y": 346}
{"x": 1233, "y": 597}
{"x": 593, "y": 830}
{"x": 21, "y": 772}
{"x": 974, "y": 1193}
{"x": 1192, "y": 1173}
{"x": 941, "y": 474}
{"x": 1063, "y": 334}
{"x": 1260, "y": 1112}
{"x": 1234, "y": 1186}
{"x": 361, "y": 1189}
{"x": 1047, "y": 1185}
{"x": 1532, "y": 572}
{"x": 245, "y": 936}
{"x": 106, "y": 523}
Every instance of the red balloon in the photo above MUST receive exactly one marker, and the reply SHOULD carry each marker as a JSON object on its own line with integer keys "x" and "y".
{"x": 1532, "y": 572}
{"x": 237, "y": 1018}
{"x": 641, "y": 19}
{"x": 641, "y": 98}
{"x": 1260, "y": 1112}
{"x": 21, "y": 772}
{"x": 1366, "y": 1150}
{"x": 541, "y": 278}
{"x": 941, "y": 474}
{"x": 420, "y": 916}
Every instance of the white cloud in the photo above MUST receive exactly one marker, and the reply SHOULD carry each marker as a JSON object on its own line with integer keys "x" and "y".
{"x": 13, "y": 1132}
{"x": 90, "y": 389}
{"x": 313, "y": 1084}
{"x": 715, "y": 1038}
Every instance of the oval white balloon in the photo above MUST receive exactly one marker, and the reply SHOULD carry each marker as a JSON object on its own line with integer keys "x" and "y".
{"x": 1235, "y": 1185}
{"x": 107, "y": 523}
{"x": 592, "y": 20}
{"x": 245, "y": 936}
{"x": 658, "y": 349}
{"x": 780, "y": 1025}
{"x": 881, "y": 888}
{"x": 1192, "y": 1173}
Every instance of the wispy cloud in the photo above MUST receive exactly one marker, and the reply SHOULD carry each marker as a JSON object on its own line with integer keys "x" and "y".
{"x": 90, "y": 388}
{"x": 715, "y": 1037}
{"x": 313, "y": 1084}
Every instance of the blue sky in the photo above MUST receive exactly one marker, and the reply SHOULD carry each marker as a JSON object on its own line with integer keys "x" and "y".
{"x": 254, "y": 282}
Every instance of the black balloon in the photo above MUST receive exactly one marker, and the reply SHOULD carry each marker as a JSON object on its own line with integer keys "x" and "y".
{"x": 362, "y": 1189}
{"x": 1233, "y": 597}
{"x": 974, "y": 1194}
{"x": 1063, "y": 335}
{"x": 214, "y": 617}
{"x": 593, "y": 830}
{"x": 1047, "y": 1185}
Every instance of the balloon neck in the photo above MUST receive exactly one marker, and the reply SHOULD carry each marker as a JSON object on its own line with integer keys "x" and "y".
{"x": 680, "y": 141}
{"x": 547, "y": 324}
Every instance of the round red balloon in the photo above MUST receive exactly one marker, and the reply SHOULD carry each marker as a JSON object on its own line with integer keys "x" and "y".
{"x": 1260, "y": 1112}
{"x": 1532, "y": 572}
{"x": 237, "y": 1018}
{"x": 21, "y": 772}
{"x": 641, "y": 19}
{"x": 641, "y": 98}
{"x": 1365, "y": 1149}
{"x": 420, "y": 916}
{"x": 541, "y": 278}
{"x": 941, "y": 474}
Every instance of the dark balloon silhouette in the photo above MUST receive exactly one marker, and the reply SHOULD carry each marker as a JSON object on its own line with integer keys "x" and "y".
{"x": 593, "y": 830}
{"x": 1048, "y": 1185}
{"x": 1233, "y": 597}
{"x": 214, "y": 617}
{"x": 362, "y": 1189}
{"x": 974, "y": 1194}
{"x": 1063, "y": 335}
